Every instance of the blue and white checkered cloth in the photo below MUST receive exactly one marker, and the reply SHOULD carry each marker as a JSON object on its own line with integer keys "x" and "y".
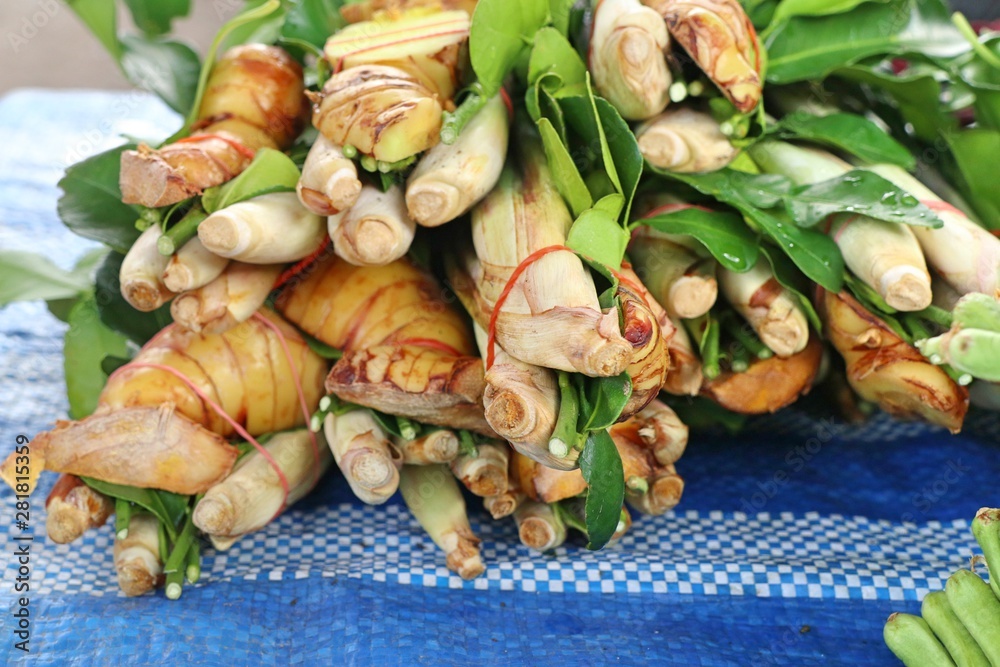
{"x": 793, "y": 543}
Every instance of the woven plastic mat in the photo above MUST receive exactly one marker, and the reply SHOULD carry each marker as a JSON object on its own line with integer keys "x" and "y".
{"x": 792, "y": 544}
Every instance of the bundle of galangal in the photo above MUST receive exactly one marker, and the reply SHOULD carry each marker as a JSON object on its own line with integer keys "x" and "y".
{"x": 439, "y": 261}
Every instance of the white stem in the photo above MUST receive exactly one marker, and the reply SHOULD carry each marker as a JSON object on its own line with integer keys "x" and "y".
{"x": 441, "y": 446}
{"x": 449, "y": 179}
{"x": 363, "y": 453}
{"x": 486, "y": 473}
{"x": 772, "y": 311}
{"x": 142, "y": 271}
{"x": 375, "y": 231}
{"x": 252, "y": 494}
{"x": 193, "y": 266}
{"x": 329, "y": 182}
{"x": 228, "y": 300}
{"x": 271, "y": 229}
{"x": 137, "y": 557}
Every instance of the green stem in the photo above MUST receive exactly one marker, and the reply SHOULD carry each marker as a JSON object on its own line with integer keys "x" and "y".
{"x": 915, "y": 326}
{"x": 164, "y": 542}
{"x": 740, "y": 359}
{"x": 467, "y": 443}
{"x": 705, "y": 330}
{"x": 964, "y": 27}
{"x": 744, "y": 335}
{"x": 349, "y": 151}
{"x": 937, "y": 315}
{"x": 193, "y": 570}
{"x": 453, "y": 123}
{"x": 407, "y": 428}
{"x": 565, "y": 434}
{"x": 368, "y": 163}
{"x": 181, "y": 232}
{"x": 176, "y": 565}
{"x": 399, "y": 165}
{"x": 123, "y": 514}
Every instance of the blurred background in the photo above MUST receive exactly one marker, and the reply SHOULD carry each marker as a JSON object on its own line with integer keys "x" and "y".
{"x": 44, "y": 45}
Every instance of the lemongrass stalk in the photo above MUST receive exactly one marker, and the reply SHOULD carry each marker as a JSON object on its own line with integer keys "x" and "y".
{"x": 228, "y": 300}
{"x": 137, "y": 556}
{"x": 384, "y": 112}
{"x": 965, "y": 255}
{"x": 772, "y": 311}
{"x": 375, "y": 231}
{"x": 440, "y": 446}
{"x": 885, "y": 255}
{"x": 484, "y": 474}
{"x": 450, "y": 178}
{"x": 522, "y": 215}
{"x": 626, "y": 58}
{"x": 685, "y": 376}
{"x": 193, "y": 266}
{"x": 662, "y": 430}
{"x": 884, "y": 369}
{"x": 252, "y": 495}
{"x": 539, "y": 526}
{"x": 504, "y": 504}
{"x": 141, "y": 274}
{"x": 661, "y": 263}
{"x": 181, "y": 231}
{"x": 329, "y": 182}
{"x": 364, "y": 454}
{"x": 521, "y": 404}
{"x": 685, "y": 141}
{"x": 706, "y": 330}
{"x": 436, "y": 502}
{"x": 72, "y": 508}
{"x": 270, "y": 229}
{"x": 743, "y": 334}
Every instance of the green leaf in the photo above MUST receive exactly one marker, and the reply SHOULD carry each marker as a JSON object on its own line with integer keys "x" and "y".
{"x": 605, "y": 398}
{"x": 101, "y": 17}
{"x": 117, "y": 314}
{"x": 87, "y": 342}
{"x": 321, "y": 348}
{"x": 559, "y": 11}
{"x": 703, "y": 414}
{"x": 167, "y": 68}
{"x": 168, "y": 507}
{"x": 564, "y": 172}
{"x": 553, "y": 54}
{"x": 500, "y": 34}
{"x": 91, "y": 205}
{"x": 790, "y": 8}
{"x": 792, "y": 279}
{"x": 154, "y": 17}
{"x": 857, "y": 192}
{"x": 916, "y": 91}
{"x": 850, "y": 133}
{"x": 602, "y": 470}
{"x": 26, "y": 276}
{"x": 624, "y": 150}
{"x": 270, "y": 171}
{"x": 808, "y": 47}
{"x": 816, "y": 255}
{"x": 597, "y": 234}
{"x": 313, "y": 21}
{"x": 976, "y": 152}
{"x": 723, "y": 234}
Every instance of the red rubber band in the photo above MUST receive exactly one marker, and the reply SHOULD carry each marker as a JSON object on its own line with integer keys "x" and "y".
{"x": 298, "y": 387}
{"x": 506, "y": 100}
{"x": 235, "y": 145}
{"x": 939, "y": 206}
{"x": 302, "y": 264}
{"x": 509, "y": 286}
{"x": 430, "y": 343}
{"x": 225, "y": 416}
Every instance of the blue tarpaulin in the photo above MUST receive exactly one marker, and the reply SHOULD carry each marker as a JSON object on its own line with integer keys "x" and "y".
{"x": 793, "y": 543}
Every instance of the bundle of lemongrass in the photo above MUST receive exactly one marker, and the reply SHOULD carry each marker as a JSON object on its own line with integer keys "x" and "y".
{"x": 543, "y": 396}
